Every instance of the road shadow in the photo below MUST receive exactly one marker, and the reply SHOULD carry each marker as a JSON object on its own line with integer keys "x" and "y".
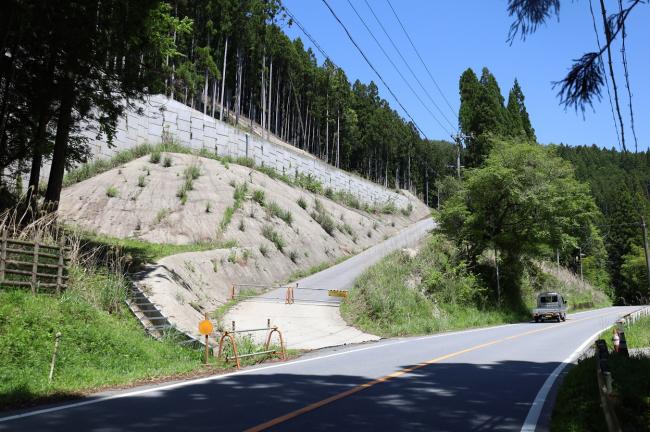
{"x": 437, "y": 397}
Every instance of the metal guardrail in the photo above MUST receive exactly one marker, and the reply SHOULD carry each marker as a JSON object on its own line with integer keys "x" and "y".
{"x": 604, "y": 377}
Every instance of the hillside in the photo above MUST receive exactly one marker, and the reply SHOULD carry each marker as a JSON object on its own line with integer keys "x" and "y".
{"x": 430, "y": 289}
{"x": 253, "y": 227}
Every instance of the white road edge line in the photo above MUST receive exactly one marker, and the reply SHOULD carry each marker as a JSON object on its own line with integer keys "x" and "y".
{"x": 247, "y": 371}
{"x": 530, "y": 424}
{"x": 243, "y": 372}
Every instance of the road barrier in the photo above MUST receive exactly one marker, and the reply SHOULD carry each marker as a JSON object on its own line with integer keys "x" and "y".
{"x": 289, "y": 295}
{"x": 604, "y": 376}
{"x": 230, "y": 336}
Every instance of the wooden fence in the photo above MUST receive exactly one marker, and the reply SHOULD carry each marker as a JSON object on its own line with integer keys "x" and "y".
{"x": 32, "y": 264}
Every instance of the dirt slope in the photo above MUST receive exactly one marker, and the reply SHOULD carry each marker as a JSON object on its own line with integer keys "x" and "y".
{"x": 141, "y": 200}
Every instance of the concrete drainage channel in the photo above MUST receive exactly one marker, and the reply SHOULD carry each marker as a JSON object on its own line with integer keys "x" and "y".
{"x": 155, "y": 323}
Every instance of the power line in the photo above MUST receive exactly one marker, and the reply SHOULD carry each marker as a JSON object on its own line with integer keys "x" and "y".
{"x": 397, "y": 69}
{"x": 372, "y": 67}
{"x": 302, "y": 28}
{"x": 420, "y": 57}
{"x": 409, "y": 66}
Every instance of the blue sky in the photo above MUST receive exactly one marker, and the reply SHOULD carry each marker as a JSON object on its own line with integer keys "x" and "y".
{"x": 454, "y": 35}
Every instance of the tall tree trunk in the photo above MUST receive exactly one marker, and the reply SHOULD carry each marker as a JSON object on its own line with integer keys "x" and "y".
{"x": 263, "y": 95}
{"x": 214, "y": 95}
{"x": 269, "y": 100}
{"x": 205, "y": 94}
{"x": 223, "y": 78}
{"x": 38, "y": 147}
{"x": 239, "y": 84}
{"x": 277, "y": 102}
{"x": 338, "y": 141}
{"x": 57, "y": 169}
{"x": 327, "y": 128}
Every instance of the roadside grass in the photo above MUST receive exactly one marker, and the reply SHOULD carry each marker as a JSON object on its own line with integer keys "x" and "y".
{"x": 636, "y": 335}
{"x": 300, "y": 274}
{"x": 140, "y": 252}
{"x": 577, "y": 407}
{"x": 431, "y": 292}
{"x": 102, "y": 344}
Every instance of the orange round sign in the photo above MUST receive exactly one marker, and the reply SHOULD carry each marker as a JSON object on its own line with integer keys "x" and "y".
{"x": 205, "y": 327}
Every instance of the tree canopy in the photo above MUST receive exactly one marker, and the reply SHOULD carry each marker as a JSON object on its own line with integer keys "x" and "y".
{"x": 523, "y": 202}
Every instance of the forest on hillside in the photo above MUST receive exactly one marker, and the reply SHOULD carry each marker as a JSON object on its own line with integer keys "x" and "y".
{"x": 227, "y": 58}
{"x": 65, "y": 63}
{"x": 503, "y": 205}
{"x": 620, "y": 183}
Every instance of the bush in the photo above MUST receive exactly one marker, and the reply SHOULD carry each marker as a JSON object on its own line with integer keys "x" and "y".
{"x": 192, "y": 172}
{"x": 275, "y": 210}
{"x": 240, "y": 193}
{"x": 389, "y": 208}
{"x": 258, "y": 196}
{"x": 309, "y": 183}
{"x": 112, "y": 192}
{"x": 407, "y": 210}
{"x": 161, "y": 215}
{"x": 264, "y": 250}
{"x": 273, "y": 236}
{"x": 346, "y": 228}
{"x": 155, "y": 157}
{"x": 227, "y": 218}
{"x": 302, "y": 203}
{"x": 141, "y": 181}
{"x": 245, "y": 161}
{"x": 348, "y": 199}
{"x": 167, "y": 162}
{"x": 293, "y": 256}
{"x": 321, "y": 216}
{"x": 329, "y": 193}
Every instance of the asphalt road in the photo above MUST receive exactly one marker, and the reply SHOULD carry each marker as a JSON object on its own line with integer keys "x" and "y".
{"x": 486, "y": 379}
{"x": 343, "y": 275}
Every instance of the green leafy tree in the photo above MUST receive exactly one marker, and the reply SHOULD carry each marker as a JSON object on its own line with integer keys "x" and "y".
{"x": 635, "y": 275}
{"x": 524, "y": 202}
{"x": 518, "y": 119}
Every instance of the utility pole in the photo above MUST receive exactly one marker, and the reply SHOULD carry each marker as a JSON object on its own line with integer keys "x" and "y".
{"x": 557, "y": 258}
{"x": 496, "y": 263}
{"x": 459, "y": 138}
{"x": 645, "y": 247}
{"x": 580, "y": 259}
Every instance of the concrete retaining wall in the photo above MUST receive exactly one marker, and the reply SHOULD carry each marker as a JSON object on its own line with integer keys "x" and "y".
{"x": 193, "y": 129}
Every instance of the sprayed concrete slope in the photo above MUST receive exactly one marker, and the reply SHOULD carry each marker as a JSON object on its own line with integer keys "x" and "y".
{"x": 183, "y": 286}
{"x": 314, "y": 321}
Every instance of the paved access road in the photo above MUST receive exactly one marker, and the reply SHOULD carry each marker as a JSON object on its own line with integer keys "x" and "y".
{"x": 343, "y": 275}
{"x": 313, "y": 321}
{"x": 487, "y": 379}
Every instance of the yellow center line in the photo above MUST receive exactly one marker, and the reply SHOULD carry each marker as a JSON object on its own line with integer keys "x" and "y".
{"x": 278, "y": 420}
